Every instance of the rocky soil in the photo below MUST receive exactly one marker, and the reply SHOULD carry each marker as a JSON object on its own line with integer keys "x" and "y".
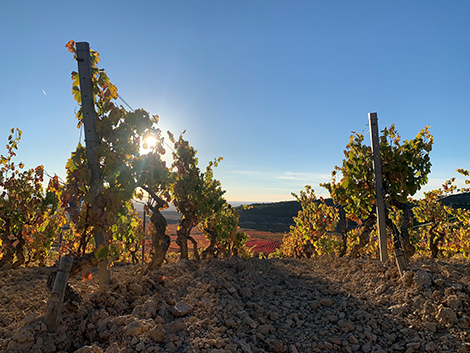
{"x": 254, "y": 305}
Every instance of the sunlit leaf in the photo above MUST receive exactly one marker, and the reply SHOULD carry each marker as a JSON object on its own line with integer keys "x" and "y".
{"x": 102, "y": 252}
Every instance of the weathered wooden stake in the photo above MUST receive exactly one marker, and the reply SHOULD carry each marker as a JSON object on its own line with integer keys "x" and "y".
{"x": 57, "y": 297}
{"x": 91, "y": 141}
{"x": 380, "y": 205}
{"x": 400, "y": 259}
{"x": 143, "y": 242}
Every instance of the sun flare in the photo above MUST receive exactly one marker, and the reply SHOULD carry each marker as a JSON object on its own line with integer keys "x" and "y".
{"x": 148, "y": 144}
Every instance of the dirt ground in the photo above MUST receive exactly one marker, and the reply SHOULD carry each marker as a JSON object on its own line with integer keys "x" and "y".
{"x": 254, "y": 305}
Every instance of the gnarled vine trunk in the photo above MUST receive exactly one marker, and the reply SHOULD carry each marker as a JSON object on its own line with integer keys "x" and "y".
{"x": 404, "y": 234}
{"x": 182, "y": 238}
{"x": 187, "y": 223}
{"x": 7, "y": 244}
{"x": 344, "y": 233}
{"x": 19, "y": 250}
{"x": 397, "y": 244}
{"x": 160, "y": 240}
{"x": 365, "y": 235}
{"x": 435, "y": 238}
{"x": 210, "y": 250}
{"x": 195, "y": 251}
{"x": 10, "y": 249}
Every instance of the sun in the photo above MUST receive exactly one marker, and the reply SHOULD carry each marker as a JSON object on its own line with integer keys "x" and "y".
{"x": 148, "y": 144}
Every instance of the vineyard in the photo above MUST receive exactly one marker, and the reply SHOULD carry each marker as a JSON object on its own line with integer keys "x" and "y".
{"x": 197, "y": 282}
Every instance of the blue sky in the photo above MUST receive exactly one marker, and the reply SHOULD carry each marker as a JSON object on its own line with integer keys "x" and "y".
{"x": 275, "y": 87}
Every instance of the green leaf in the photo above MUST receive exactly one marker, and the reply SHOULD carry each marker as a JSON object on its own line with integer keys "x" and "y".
{"x": 102, "y": 252}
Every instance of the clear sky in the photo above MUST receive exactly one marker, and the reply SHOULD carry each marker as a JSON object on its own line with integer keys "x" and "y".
{"x": 275, "y": 87}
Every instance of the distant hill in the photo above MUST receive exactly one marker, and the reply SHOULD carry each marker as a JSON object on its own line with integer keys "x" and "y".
{"x": 271, "y": 217}
{"x": 458, "y": 201}
{"x": 277, "y": 217}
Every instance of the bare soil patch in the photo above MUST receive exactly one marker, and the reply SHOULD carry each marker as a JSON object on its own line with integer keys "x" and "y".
{"x": 254, "y": 305}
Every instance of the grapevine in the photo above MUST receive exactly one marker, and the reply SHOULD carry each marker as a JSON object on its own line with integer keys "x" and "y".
{"x": 26, "y": 209}
{"x": 405, "y": 168}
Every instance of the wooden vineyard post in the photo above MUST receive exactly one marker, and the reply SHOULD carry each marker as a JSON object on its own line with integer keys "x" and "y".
{"x": 91, "y": 141}
{"x": 58, "y": 291}
{"x": 380, "y": 204}
{"x": 143, "y": 242}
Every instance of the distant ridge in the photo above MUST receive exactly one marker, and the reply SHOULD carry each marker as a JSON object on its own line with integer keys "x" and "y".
{"x": 458, "y": 201}
{"x": 271, "y": 217}
{"x": 277, "y": 217}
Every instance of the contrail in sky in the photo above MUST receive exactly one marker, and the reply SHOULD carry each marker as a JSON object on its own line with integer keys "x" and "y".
{"x": 44, "y": 92}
